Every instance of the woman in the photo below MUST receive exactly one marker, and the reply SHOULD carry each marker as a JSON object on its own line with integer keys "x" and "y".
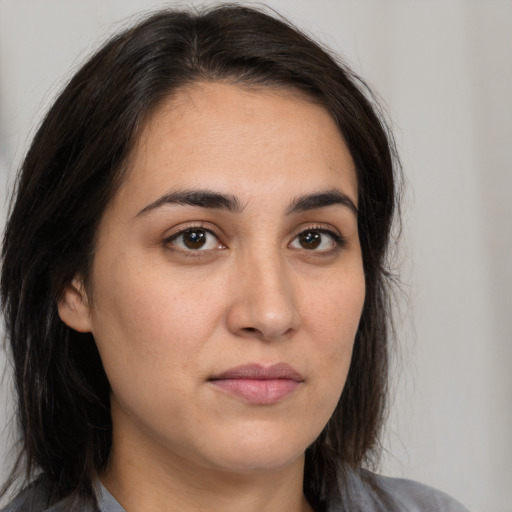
{"x": 194, "y": 278}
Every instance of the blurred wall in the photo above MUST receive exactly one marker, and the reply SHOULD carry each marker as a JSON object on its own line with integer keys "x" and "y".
{"x": 444, "y": 72}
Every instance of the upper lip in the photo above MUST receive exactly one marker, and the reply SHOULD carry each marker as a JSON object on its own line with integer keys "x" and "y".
{"x": 260, "y": 372}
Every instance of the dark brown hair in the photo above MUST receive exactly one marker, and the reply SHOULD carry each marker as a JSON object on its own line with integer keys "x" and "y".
{"x": 71, "y": 172}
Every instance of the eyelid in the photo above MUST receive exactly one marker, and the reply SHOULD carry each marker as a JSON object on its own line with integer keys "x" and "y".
{"x": 339, "y": 240}
{"x": 334, "y": 233}
{"x": 194, "y": 224}
{"x": 179, "y": 230}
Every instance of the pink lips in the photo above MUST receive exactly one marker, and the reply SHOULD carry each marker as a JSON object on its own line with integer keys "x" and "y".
{"x": 258, "y": 384}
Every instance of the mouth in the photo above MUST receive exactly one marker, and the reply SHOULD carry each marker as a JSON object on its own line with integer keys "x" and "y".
{"x": 257, "y": 384}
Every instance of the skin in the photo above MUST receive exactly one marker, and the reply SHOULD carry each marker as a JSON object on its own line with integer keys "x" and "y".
{"x": 167, "y": 317}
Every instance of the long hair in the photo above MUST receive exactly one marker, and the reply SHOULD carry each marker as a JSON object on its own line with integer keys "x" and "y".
{"x": 72, "y": 170}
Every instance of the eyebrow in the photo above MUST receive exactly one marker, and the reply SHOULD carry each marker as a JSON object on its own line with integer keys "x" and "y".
{"x": 332, "y": 197}
{"x": 215, "y": 200}
{"x": 200, "y": 198}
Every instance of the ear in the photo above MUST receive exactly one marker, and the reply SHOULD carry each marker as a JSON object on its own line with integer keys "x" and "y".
{"x": 73, "y": 306}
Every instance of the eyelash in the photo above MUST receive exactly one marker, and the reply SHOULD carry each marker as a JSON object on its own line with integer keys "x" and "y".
{"x": 339, "y": 240}
{"x": 168, "y": 242}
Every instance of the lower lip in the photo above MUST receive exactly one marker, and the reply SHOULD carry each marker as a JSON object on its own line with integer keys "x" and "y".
{"x": 260, "y": 392}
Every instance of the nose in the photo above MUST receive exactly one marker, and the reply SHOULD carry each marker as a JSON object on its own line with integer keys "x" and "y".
{"x": 264, "y": 301}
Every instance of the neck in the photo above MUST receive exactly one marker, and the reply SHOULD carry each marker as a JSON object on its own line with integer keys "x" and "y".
{"x": 155, "y": 482}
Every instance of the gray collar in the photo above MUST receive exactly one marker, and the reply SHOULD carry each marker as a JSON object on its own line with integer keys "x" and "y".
{"x": 107, "y": 502}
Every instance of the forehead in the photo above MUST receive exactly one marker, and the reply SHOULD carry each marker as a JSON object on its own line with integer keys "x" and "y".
{"x": 229, "y": 135}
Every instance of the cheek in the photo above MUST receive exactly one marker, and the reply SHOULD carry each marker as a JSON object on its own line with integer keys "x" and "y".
{"x": 149, "y": 337}
{"x": 334, "y": 309}
{"x": 150, "y": 320}
{"x": 333, "y": 318}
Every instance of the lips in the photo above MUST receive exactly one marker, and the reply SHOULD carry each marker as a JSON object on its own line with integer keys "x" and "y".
{"x": 258, "y": 384}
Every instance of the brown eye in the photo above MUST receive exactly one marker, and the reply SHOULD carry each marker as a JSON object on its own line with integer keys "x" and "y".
{"x": 317, "y": 240}
{"x": 195, "y": 239}
{"x": 310, "y": 239}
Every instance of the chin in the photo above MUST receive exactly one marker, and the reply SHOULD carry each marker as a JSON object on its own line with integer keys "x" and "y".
{"x": 262, "y": 462}
{"x": 258, "y": 453}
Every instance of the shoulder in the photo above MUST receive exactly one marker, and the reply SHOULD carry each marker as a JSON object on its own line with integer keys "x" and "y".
{"x": 416, "y": 497}
{"x": 36, "y": 497}
{"x": 33, "y": 498}
{"x": 360, "y": 490}
{"x": 363, "y": 491}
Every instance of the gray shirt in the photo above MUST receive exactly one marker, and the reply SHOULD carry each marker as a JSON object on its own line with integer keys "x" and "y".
{"x": 409, "y": 496}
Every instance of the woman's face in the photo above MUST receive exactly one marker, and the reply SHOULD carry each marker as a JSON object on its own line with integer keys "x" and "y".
{"x": 227, "y": 282}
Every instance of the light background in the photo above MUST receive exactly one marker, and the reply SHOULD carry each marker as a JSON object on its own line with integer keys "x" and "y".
{"x": 444, "y": 72}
